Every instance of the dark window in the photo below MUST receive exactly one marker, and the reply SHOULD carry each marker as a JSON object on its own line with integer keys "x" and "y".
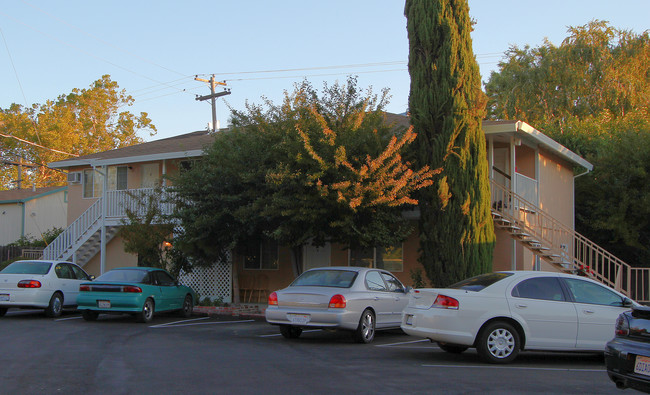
{"x": 326, "y": 278}
{"x": 123, "y": 275}
{"x": 546, "y": 288}
{"x": 79, "y": 273}
{"x": 27, "y": 267}
{"x": 480, "y": 282}
{"x": 374, "y": 282}
{"x": 163, "y": 279}
{"x": 588, "y": 292}
{"x": 393, "y": 284}
{"x": 261, "y": 256}
{"x": 63, "y": 270}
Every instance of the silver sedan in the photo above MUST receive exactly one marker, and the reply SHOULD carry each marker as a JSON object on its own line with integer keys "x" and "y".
{"x": 356, "y": 299}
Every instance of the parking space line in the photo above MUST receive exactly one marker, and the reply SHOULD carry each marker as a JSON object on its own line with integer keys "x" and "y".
{"x": 279, "y": 334}
{"x": 183, "y": 321}
{"x": 69, "y": 318}
{"x": 401, "y": 343}
{"x": 173, "y": 324}
{"x": 514, "y": 368}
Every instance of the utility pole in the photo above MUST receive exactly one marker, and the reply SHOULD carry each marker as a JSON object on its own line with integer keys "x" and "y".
{"x": 213, "y": 96}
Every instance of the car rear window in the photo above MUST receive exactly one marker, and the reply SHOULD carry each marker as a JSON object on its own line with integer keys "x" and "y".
{"x": 326, "y": 278}
{"x": 121, "y": 275}
{"x": 27, "y": 267}
{"x": 480, "y": 282}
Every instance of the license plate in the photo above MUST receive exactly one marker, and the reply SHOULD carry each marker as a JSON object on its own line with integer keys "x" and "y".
{"x": 642, "y": 365}
{"x": 299, "y": 318}
{"x": 4, "y": 297}
{"x": 409, "y": 319}
{"x": 104, "y": 304}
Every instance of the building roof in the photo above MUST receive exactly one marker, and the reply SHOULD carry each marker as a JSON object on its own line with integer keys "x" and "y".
{"x": 24, "y": 195}
{"x": 192, "y": 145}
{"x": 177, "y": 147}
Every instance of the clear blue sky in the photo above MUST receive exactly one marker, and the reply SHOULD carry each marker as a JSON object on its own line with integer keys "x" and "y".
{"x": 153, "y": 49}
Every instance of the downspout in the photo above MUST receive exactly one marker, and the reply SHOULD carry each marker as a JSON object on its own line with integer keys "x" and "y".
{"x": 573, "y": 197}
{"x": 22, "y": 222}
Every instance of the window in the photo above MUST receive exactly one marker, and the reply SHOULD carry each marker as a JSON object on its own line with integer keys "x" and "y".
{"x": 117, "y": 178}
{"x": 164, "y": 279}
{"x": 93, "y": 183}
{"x": 387, "y": 258}
{"x": 545, "y": 288}
{"x": 392, "y": 283}
{"x": 63, "y": 270}
{"x": 588, "y": 292}
{"x": 326, "y": 278}
{"x": 79, "y": 274}
{"x": 261, "y": 256}
{"x": 375, "y": 282}
{"x": 150, "y": 175}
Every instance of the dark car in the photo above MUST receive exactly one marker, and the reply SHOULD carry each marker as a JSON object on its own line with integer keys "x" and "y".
{"x": 627, "y": 356}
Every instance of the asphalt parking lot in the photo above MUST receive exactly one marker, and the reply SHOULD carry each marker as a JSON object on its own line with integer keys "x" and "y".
{"x": 206, "y": 355}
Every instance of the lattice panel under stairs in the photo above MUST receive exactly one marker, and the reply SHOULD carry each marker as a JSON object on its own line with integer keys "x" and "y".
{"x": 212, "y": 282}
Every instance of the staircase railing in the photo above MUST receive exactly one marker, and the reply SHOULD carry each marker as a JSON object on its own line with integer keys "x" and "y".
{"x": 73, "y": 233}
{"x": 579, "y": 252}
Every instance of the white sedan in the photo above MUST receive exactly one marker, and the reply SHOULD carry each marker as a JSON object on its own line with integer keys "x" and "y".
{"x": 50, "y": 285}
{"x": 502, "y": 313}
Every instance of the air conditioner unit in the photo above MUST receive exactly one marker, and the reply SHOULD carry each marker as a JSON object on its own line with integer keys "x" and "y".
{"x": 74, "y": 177}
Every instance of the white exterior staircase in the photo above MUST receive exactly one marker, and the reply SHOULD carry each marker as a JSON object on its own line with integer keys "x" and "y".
{"x": 81, "y": 241}
{"x": 562, "y": 247}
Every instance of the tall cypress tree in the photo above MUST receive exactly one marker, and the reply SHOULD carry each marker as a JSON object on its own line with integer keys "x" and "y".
{"x": 447, "y": 106}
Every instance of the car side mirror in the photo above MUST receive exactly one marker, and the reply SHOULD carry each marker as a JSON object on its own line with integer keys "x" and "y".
{"x": 407, "y": 289}
{"x": 627, "y": 302}
{"x": 91, "y": 277}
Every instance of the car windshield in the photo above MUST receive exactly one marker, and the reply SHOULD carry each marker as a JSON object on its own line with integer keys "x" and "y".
{"x": 480, "y": 282}
{"x": 326, "y": 278}
{"x": 27, "y": 267}
{"x": 121, "y": 275}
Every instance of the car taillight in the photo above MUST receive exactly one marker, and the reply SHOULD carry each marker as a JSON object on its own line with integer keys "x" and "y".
{"x": 273, "y": 299}
{"x": 337, "y": 302}
{"x": 131, "y": 288}
{"x": 29, "y": 284}
{"x": 445, "y": 302}
{"x": 622, "y": 326}
{"x": 84, "y": 288}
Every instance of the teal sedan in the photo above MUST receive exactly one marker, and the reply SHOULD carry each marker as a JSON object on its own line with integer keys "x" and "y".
{"x": 141, "y": 291}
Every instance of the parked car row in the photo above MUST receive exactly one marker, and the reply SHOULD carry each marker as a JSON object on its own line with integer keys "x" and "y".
{"x": 499, "y": 314}
{"x": 54, "y": 285}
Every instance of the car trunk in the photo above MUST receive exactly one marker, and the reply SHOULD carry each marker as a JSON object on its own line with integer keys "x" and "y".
{"x": 306, "y": 297}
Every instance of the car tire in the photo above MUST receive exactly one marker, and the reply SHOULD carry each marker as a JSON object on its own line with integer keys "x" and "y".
{"x": 3, "y": 311}
{"x": 498, "y": 343}
{"x": 188, "y": 306}
{"x": 89, "y": 315}
{"x": 290, "y": 332}
{"x": 452, "y": 348}
{"x": 55, "y": 308}
{"x": 146, "y": 314}
{"x": 365, "y": 332}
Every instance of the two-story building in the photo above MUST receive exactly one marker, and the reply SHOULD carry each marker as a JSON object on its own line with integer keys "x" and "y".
{"x": 532, "y": 181}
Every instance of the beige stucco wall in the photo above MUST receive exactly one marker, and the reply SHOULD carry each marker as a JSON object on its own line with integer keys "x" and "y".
{"x": 11, "y": 218}
{"x": 115, "y": 257}
{"x": 556, "y": 188}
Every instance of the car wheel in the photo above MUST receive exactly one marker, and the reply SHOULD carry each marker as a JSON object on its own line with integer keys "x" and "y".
{"x": 366, "y": 330}
{"x": 55, "y": 307}
{"x": 290, "y": 332}
{"x": 188, "y": 306}
{"x": 498, "y": 343}
{"x": 146, "y": 315}
{"x": 452, "y": 348}
{"x": 89, "y": 315}
{"x": 3, "y": 311}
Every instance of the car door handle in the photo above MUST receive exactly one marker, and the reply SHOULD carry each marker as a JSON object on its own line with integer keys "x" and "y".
{"x": 588, "y": 311}
{"x": 376, "y": 297}
{"x": 521, "y": 306}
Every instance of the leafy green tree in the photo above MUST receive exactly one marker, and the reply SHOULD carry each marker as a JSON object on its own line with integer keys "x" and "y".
{"x": 309, "y": 170}
{"x": 447, "y": 106}
{"x": 592, "y": 94}
{"x": 82, "y": 122}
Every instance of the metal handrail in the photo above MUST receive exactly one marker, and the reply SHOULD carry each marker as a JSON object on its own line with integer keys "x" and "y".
{"x": 580, "y": 252}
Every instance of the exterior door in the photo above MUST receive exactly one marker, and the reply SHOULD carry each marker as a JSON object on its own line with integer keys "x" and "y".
{"x": 550, "y": 319}
{"x": 314, "y": 257}
{"x": 598, "y": 308}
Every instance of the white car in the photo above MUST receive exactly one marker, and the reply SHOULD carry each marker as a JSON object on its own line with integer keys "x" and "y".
{"x": 502, "y": 313}
{"x": 50, "y": 285}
